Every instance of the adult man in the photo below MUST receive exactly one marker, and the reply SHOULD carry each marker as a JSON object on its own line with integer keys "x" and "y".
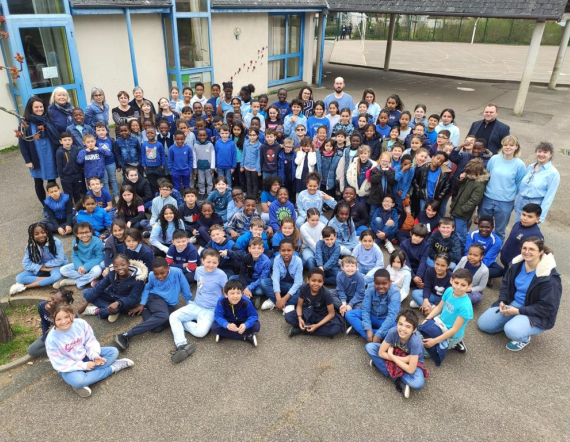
{"x": 343, "y": 99}
{"x": 491, "y": 129}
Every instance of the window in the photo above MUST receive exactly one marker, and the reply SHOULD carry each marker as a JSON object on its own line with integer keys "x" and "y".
{"x": 191, "y": 5}
{"x": 36, "y": 7}
{"x": 285, "y": 48}
{"x": 193, "y": 41}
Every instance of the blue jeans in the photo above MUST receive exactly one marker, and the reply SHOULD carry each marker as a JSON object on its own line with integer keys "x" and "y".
{"x": 267, "y": 287}
{"x": 517, "y": 328}
{"x": 461, "y": 229}
{"x": 495, "y": 271}
{"x": 368, "y": 274}
{"x": 354, "y": 318}
{"x": 415, "y": 381}
{"x": 430, "y": 263}
{"x": 377, "y": 225}
{"x": 192, "y": 318}
{"x": 80, "y": 378}
{"x": 500, "y": 211}
{"x": 27, "y": 277}
{"x": 228, "y": 174}
{"x": 110, "y": 178}
{"x": 69, "y": 271}
{"x": 309, "y": 258}
{"x": 443, "y": 206}
{"x": 418, "y": 296}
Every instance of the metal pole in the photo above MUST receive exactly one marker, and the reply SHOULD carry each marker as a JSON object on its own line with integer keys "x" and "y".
{"x": 529, "y": 67}
{"x": 320, "y": 73}
{"x": 320, "y": 33}
{"x": 474, "y": 30}
{"x": 560, "y": 56}
{"x": 389, "y": 42}
{"x": 131, "y": 46}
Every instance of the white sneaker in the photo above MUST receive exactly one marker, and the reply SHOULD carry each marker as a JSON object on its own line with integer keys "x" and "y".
{"x": 66, "y": 282}
{"x": 192, "y": 240}
{"x": 371, "y": 363}
{"x": 91, "y": 310}
{"x": 217, "y": 338}
{"x": 83, "y": 392}
{"x": 55, "y": 285}
{"x": 348, "y": 330}
{"x": 121, "y": 364}
{"x": 414, "y": 304}
{"x": 288, "y": 308}
{"x": 113, "y": 318}
{"x": 389, "y": 246}
{"x": 268, "y": 305}
{"x": 407, "y": 391}
{"x": 17, "y": 288}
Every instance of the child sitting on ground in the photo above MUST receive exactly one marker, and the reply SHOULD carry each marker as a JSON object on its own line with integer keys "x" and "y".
{"x": 235, "y": 316}
{"x": 165, "y": 197}
{"x": 59, "y": 210}
{"x": 444, "y": 240}
{"x": 137, "y": 248}
{"x": 384, "y": 223}
{"x": 349, "y": 285}
{"x": 76, "y": 355}
{"x": 197, "y": 317}
{"x": 183, "y": 255}
{"x": 380, "y": 306}
{"x": 101, "y": 195}
{"x": 327, "y": 254}
{"x": 491, "y": 243}
{"x": 369, "y": 256}
{"x": 279, "y": 209}
{"x": 190, "y": 210}
{"x": 415, "y": 250}
{"x": 95, "y": 216}
{"x": 314, "y": 313}
{"x": 311, "y": 232}
{"x": 433, "y": 285}
{"x": 161, "y": 234}
{"x": 343, "y": 225}
{"x": 400, "y": 273}
{"x": 255, "y": 267}
{"x": 230, "y": 254}
{"x": 255, "y": 231}
{"x": 479, "y": 271}
{"x": 113, "y": 245}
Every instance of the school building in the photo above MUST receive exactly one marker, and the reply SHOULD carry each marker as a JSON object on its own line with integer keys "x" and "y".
{"x": 155, "y": 44}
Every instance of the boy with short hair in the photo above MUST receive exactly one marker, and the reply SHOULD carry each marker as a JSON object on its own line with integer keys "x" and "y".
{"x": 402, "y": 352}
{"x": 180, "y": 161}
{"x": 255, "y": 231}
{"x": 183, "y": 255}
{"x": 101, "y": 195}
{"x": 69, "y": 170}
{"x": 158, "y": 301}
{"x": 234, "y": 316}
{"x": 255, "y": 267}
{"x": 93, "y": 158}
{"x": 240, "y": 222}
{"x": 197, "y": 317}
{"x": 128, "y": 149}
{"x": 415, "y": 250}
{"x": 431, "y": 133}
{"x": 327, "y": 254}
{"x": 379, "y": 310}
{"x": 103, "y": 140}
{"x": 525, "y": 228}
{"x": 444, "y": 240}
{"x": 230, "y": 254}
{"x": 269, "y": 154}
{"x": 314, "y": 313}
{"x": 349, "y": 285}
{"x": 450, "y": 317}
{"x": 286, "y": 166}
{"x": 384, "y": 223}
{"x": 204, "y": 163}
{"x": 226, "y": 155}
{"x": 153, "y": 160}
{"x": 58, "y": 209}
{"x": 190, "y": 210}
{"x": 78, "y": 129}
{"x": 486, "y": 237}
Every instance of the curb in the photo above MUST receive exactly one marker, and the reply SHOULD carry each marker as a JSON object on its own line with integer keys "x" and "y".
{"x": 16, "y": 363}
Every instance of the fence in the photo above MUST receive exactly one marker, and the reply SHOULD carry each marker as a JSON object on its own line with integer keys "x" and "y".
{"x": 447, "y": 29}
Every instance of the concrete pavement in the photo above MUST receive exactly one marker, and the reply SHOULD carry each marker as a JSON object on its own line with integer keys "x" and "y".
{"x": 309, "y": 388}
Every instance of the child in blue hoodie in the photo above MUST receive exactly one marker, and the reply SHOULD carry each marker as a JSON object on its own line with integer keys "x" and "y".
{"x": 385, "y": 223}
{"x": 404, "y": 174}
{"x": 95, "y": 216}
{"x": 349, "y": 285}
{"x": 93, "y": 158}
{"x": 255, "y": 267}
{"x": 226, "y": 155}
{"x": 281, "y": 208}
{"x": 235, "y": 316}
{"x": 180, "y": 161}
{"x": 153, "y": 159}
{"x": 380, "y": 308}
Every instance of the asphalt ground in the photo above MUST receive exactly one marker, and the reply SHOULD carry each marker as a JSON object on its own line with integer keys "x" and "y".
{"x": 309, "y": 388}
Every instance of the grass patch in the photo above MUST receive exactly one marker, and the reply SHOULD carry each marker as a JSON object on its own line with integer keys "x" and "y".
{"x": 25, "y": 323}
{"x": 9, "y": 149}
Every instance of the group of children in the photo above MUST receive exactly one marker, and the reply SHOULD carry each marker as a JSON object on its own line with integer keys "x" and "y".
{"x": 384, "y": 187}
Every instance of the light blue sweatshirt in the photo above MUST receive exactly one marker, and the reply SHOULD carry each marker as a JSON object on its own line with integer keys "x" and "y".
{"x": 169, "y": 289}
{"x": 506, "y": 177}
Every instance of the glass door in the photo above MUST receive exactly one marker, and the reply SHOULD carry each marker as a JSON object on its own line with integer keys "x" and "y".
{"x": 50, "y": 58}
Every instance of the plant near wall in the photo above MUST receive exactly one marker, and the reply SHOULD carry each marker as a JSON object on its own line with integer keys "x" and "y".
{"x": 252, "y": 63}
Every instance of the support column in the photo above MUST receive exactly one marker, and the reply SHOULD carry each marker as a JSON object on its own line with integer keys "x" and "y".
{"x": 529, "y": 67}
{"x": 320, "y": 43}
{"x": 389, "y": 42}
{"x": 131, "y": 46}
{"x": 560, "y": 56}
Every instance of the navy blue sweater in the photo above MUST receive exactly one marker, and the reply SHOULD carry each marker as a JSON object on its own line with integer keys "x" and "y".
{"x": 514, "y": 242}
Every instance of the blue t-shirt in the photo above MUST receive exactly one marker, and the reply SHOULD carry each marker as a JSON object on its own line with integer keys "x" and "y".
{"x": 432, "y": 181}
{"x": 209, "y": 287}
{"x": 522, "y": 283}
{"x": 102, "y": 200}
{"x": 454, "y": 307}
{"x": 266, "y": 197}
{"x": 413, "y": 346}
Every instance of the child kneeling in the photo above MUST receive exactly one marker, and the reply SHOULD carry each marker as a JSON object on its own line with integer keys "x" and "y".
{"x": 315, "y": 313}
{"x": 401, "y": 355}
{"x": 76, "y": 355}
{"x": 235, "y": 316}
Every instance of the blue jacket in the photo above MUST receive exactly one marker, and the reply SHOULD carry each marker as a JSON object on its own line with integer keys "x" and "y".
{"x": 241, "y": 313}
{"x": 492, "y": 245}
{"x": 49, "y": 260}
{"x": 235, "y": 254}
{"x": 350, "y": 289}
{"x": 280, "y": 270}
{"x": 127, "y": 292}
{"x": 94, "y": 114}
{"x": 327, "y": 257}
{"x": 346, "y": 232}
{"x": 250, "y": 155}
{"x": 87, "y": 256}
{"x": 61, "y": 210}
{"x": 403, "y": 180}
{"x": 451, "y": 245}
{"x": 513, "y": 244}
{"x": 180, "y": 159}
{"x": 384, "y": 307}
{"x": 252, "y": 272}
{"x": 94, "y": 161}
{"x": 142, "y": 253}
{"x": 226, "y": 154}
{"x": 129, "y": 151}
{"x": 99, "y": 220}
{"x": 243, "y": 241}
{"x": 220, "y": 202}
{"x": 78, "y": 136}
{"x": 327, "y": 168}
{"x": 281, "y": 166}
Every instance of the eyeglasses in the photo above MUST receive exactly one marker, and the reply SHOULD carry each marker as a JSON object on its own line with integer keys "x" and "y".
{"x": 299, "y": 129}
{"x": 97, "y": 95}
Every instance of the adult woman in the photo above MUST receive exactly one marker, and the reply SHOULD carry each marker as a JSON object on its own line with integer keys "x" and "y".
{"x": 529, "y": 297}
{"x": 540, "y": 183}
{"x": 98, "y": 109}
{"x": 373, "y": 108}
{"x": 124, "y": 112}
{"x": 139, "y": 99}
{"x": 60, "y": 109}
{"x": 39, "y": 154}
{"x": 306, "y": 96}
{"x": 447, "y": 121}
{"x": 507, "y": 172}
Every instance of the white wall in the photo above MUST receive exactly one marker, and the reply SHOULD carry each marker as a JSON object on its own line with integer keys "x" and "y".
{"x": 8, "y": 123}
{"x": 105, "y": 59}
{"x": 230, "y": 54}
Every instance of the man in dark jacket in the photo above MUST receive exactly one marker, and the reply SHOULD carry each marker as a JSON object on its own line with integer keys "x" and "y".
{"x": 490, "y": 129}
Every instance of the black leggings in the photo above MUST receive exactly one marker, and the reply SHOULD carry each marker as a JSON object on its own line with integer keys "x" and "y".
{"x": 40, "y": 189}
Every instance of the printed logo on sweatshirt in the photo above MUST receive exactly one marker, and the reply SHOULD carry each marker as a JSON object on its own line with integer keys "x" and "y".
{"x": 69, "y": 347}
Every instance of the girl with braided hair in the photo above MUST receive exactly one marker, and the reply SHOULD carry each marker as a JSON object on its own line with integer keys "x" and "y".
{"x": 43, "y": 260}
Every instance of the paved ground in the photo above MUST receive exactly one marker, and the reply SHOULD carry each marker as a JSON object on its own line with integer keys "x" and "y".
{"x": 309, "y": 388}
{"x": 477, "y": 61}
